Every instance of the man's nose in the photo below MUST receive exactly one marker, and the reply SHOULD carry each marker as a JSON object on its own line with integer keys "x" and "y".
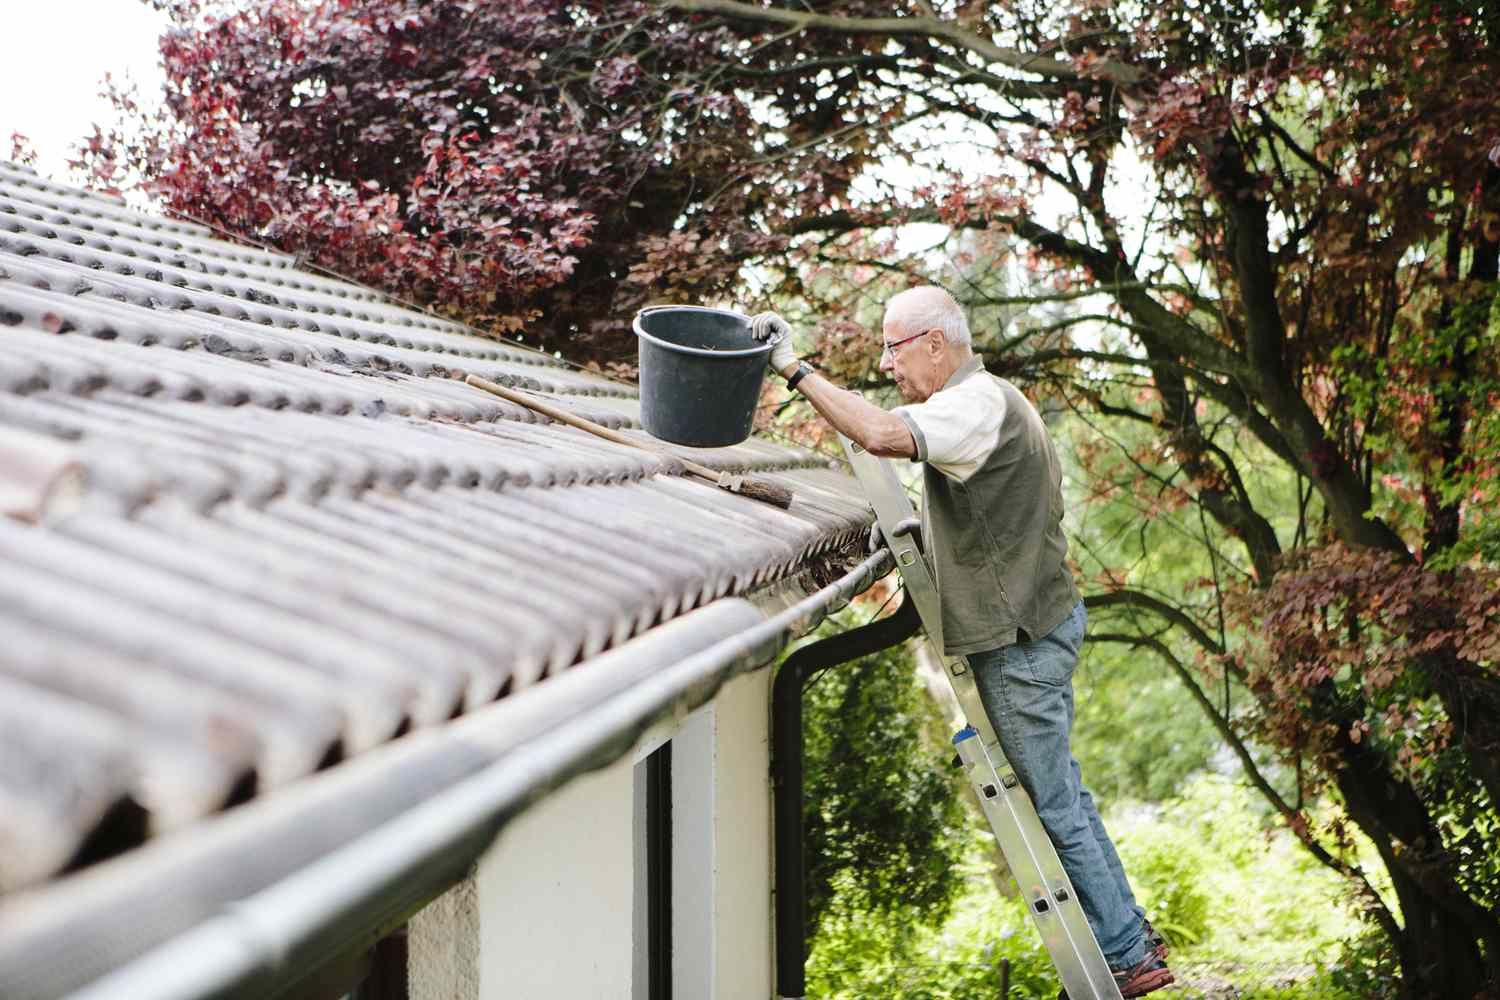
{"x": 887, "y": 363}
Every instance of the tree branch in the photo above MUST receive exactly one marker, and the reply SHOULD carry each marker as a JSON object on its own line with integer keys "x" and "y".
{"x": 905, "y": 27}
{"x": 1344, "y": 493}
{"x": 1155, "y": 605}
{"x": 1312, "y": 161}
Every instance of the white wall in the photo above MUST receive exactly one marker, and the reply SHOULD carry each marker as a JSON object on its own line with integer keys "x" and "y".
{"x": 694, "y": 857}
{"x": 742, "y": 830}
{"x": 555, "y": 895}
{"x": 443, "y": 946}
{"x": 551, "y": 903}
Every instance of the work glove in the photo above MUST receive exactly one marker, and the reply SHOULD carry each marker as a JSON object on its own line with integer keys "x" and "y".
{"x": 910, "y": 526}
{"x": 771, "y": 328}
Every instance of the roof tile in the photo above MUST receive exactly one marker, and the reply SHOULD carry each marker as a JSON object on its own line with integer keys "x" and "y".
{"x": 298, "y": 533}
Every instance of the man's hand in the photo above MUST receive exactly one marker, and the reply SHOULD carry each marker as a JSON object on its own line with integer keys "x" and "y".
{"x": 771, "y": 328}
{"x": 878, "y": 432}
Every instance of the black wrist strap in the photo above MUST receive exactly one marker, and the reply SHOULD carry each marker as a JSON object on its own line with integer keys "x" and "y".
{"x": 803, "y": 370}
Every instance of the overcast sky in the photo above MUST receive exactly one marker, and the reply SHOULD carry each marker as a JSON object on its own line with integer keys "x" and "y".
{"x": 56, "y": 55}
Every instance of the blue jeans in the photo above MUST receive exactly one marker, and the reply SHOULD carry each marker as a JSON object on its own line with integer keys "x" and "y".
{"x": 1027, "y": 690}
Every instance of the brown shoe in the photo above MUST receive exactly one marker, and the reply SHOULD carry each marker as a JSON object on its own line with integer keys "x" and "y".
{"x": 1149, "y": 976}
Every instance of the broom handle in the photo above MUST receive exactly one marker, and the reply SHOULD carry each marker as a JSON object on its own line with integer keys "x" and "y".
{"x": 573, "y": 420}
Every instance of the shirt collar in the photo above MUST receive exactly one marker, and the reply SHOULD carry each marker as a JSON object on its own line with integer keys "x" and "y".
{"x": 973, "y": 365}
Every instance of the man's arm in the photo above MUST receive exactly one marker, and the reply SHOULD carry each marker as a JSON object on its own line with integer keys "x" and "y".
{"x": 880, "y": 432}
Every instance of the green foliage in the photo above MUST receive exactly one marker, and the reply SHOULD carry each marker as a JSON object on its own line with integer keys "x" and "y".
{"x": 1366, "y": 969}
{"x": 1231, "y": 884}
{"x": 1137, "y": 734}
{"x": 1250, "y": 915}
{"x": 858, "y": 958}
{"x": 882, "y": 818}
{"x": 1170, "y": 868}
{"x": 1323, "y": 986}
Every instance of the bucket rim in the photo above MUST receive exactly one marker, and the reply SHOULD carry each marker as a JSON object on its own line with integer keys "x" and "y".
{"x": 747, "y": 352}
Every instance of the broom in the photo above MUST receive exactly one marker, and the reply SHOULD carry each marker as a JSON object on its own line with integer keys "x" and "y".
{"x": 755, "y": 489}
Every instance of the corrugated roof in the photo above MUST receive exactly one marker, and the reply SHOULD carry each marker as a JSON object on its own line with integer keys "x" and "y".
{"x": 259, "y": 525}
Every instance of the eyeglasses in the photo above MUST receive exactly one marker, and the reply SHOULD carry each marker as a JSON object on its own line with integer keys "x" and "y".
{"x": 891, "y": 347}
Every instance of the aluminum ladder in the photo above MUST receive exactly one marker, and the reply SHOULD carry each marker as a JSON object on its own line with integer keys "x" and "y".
{"x": 1050, "y": 899}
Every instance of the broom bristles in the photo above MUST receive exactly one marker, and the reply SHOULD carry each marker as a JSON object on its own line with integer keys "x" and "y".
{"x": 772, "y": 493}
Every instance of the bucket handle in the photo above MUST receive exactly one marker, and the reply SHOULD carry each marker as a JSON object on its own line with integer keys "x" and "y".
{"x": 643, "y": 310}
{"x": 676, "y": 305}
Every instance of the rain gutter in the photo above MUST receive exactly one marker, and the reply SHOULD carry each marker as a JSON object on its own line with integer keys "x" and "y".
{"x": 787, "y": 777}
{"x": 247, "y": 904}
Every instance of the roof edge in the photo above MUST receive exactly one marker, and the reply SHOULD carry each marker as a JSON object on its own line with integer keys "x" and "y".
{"x": 369, "y": 844}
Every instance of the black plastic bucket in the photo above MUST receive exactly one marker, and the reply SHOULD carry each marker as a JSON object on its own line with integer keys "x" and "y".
{"x": 701, "y": 374}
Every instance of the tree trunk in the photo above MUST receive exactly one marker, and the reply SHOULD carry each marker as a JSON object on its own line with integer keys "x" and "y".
{"x": 1439, "y": 956}
{"x": 1439, "y": 942}
{"x": 1472, "y": 701}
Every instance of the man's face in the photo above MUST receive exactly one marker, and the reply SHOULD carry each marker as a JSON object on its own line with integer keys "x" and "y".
{"x": 912, "y": 356}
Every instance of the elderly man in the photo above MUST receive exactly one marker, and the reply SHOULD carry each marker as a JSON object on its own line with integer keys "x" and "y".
{"x": 992, "y": 513}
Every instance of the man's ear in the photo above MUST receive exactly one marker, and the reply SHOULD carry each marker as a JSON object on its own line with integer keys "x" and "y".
{"x": 934, "y": 342}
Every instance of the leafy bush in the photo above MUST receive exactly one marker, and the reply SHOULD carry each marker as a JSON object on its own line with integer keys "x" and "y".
{"x": 857, "y": 958}
{"x": 1245, "y": 888}
{"x": 1168, "y": 869}
{"x": 883, "y": 821}
{"x": 906, "y": 895}
{"x": 1366, "y": 968}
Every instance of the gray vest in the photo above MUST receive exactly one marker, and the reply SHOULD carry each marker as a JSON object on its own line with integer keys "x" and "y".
{"x": 996, "y": 540}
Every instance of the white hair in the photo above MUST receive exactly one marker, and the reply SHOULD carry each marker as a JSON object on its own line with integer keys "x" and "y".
{"x": 928, "y": 307}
